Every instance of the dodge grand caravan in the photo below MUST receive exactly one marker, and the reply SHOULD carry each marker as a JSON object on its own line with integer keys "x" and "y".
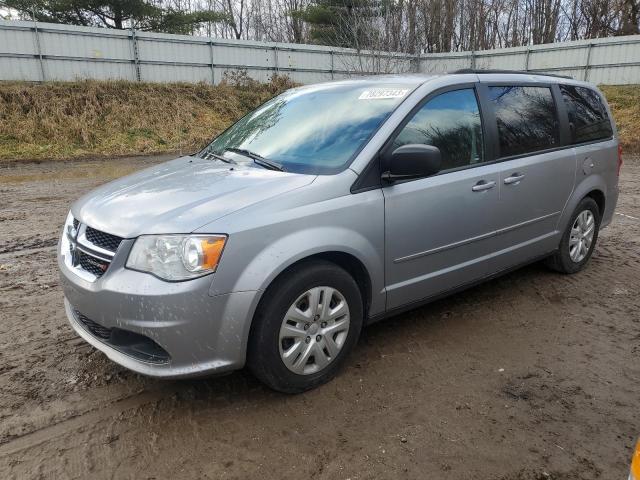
{"x": 333, "y": 206}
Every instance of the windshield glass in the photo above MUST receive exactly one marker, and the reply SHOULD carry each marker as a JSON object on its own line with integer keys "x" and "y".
{"x": 316, "y": 129}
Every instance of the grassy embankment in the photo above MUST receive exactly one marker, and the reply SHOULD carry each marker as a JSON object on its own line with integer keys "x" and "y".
{"x": 624, "y": 102}
{"x": 115, "y": 118}
{"x": 100, "y": 119}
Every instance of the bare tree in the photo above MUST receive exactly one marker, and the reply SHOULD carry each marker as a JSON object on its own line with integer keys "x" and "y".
{"x": 415, "y": 26}
{"x": 630, "y": 17}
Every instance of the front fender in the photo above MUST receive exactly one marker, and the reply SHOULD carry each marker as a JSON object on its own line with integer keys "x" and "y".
{"x": 263, "y": 268}
{"x": 265, "y": 242}
{"x": 276, "y": 257}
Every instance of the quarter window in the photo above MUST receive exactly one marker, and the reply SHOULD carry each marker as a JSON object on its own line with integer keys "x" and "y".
{"x": 588, "y": 119}
{"x": 451, "y": 122}
{"x": 527, "y": 120}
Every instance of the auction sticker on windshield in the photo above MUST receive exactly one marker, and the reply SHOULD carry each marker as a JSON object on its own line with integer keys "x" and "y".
{"x": 383, "y": 93}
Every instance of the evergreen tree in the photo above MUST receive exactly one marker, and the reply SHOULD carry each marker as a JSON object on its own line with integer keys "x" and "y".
{"x": 119, "y": 14}
{"x": 341, "y": 23}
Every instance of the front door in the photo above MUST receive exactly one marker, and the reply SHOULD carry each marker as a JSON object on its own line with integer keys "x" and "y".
{"x": 438, "y": 230}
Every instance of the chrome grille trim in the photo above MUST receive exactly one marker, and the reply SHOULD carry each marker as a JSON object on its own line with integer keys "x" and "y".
{"x": 91, "y": 248}
{"x": 99, "y": 258}
{"x": 94, "y": 252}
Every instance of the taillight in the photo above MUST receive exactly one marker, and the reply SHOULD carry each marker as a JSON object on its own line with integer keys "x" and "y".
{"x": 619, "y": 158}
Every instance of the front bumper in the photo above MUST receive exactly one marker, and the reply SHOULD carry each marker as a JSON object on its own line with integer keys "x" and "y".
{"x": 202, "y": 334}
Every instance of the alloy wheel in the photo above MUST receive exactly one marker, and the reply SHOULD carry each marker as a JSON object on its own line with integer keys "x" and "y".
{"x": 581, "y": 236}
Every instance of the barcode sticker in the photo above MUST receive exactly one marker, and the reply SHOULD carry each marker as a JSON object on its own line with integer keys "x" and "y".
{"x": 383, "y": 93}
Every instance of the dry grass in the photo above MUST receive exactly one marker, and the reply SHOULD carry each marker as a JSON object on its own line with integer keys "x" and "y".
{"x": 89, "y": 118}
{"x": 625, "y": 105}
{"x": 101, "y": 119}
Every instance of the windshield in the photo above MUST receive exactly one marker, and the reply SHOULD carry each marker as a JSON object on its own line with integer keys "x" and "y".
{"x": 316, "y": 129}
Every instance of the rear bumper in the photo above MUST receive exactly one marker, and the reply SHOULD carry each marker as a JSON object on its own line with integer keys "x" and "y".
{"x": 610, "y": 206}
{"x": 200, "y": 334}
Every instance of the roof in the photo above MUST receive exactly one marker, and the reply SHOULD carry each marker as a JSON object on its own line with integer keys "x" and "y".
{"x": 516, "y": 72}
{"x": 414, "y": 80}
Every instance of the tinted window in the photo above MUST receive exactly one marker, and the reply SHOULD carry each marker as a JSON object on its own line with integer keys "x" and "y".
{"x": 588, "y": 118}
{"x": 451, "y": 122}
{"x": 527, "y": 120}
{"x": 316, "y": 129}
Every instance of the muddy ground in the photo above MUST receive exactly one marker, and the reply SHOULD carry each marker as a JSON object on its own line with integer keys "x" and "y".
{"x": 532, "y": 376}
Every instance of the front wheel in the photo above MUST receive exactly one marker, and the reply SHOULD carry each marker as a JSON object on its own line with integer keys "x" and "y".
{"x": 579, "y": 239}
{"x": 306, "y": 324}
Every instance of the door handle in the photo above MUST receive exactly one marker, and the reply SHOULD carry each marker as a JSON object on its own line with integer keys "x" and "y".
{"x": 483, "y": 185}
{"x": 515, "y": 178}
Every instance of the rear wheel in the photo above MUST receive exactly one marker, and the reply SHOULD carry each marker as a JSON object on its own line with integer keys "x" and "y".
{"x": 579, "y": 239}
{"x": 306, "y": 324}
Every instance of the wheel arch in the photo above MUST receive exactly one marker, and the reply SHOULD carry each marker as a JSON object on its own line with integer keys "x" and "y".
{"x": 593, "y": 186}
{"x": 599, "y": 198}
{"x": 349, "y": 262}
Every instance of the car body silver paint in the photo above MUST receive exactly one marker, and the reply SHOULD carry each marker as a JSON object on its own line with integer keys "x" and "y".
{"x": 179, "y": 196}
{"x": 416, "y": 239}
{"x": 202, "y": 333}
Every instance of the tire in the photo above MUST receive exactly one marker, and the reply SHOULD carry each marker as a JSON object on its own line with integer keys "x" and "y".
{"x": 292, "y": 296}
{"x": 562, "y": 261}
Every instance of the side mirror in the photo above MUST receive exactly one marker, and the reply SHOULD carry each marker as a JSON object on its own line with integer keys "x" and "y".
{"x": 413, "y": 161}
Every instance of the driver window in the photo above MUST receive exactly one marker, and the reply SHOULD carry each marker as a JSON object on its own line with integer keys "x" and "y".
{"x": 451, "y": 122}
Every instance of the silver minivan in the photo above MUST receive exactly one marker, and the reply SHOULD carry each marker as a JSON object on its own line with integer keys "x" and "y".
{"x": 333, "y": 206}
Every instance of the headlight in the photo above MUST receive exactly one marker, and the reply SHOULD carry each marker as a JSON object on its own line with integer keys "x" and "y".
{"x": 176, "y": 257}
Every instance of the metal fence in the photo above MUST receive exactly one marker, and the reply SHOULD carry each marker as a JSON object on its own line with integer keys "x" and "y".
{"x": 607, "y": 61}
{"x": 47, "y": 52}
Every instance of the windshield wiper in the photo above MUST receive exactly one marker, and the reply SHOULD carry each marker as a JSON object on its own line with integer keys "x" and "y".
{"x": 260, "y": 160}
{"x": 210, "y": 155}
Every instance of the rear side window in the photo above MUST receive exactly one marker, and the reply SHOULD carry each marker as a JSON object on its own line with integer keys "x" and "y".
{"x": 588, "y": 119}
{"x": 451, "y": 122}
{"x": 527, "y": 119}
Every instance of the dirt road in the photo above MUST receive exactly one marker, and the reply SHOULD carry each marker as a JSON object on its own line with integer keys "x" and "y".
{"x": 532, "y": 376}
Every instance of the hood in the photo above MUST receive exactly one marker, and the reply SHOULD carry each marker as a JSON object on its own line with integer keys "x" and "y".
{"x": 179, "y": 196}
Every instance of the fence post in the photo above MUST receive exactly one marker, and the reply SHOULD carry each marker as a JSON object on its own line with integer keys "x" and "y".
{"x": 213, "y": 69}
{"x": 417, "y": 60}
{"x": 331, "y": 68}
{"x": 136, "y": 58}
{"x": 275, "y": 59}
{"x": 586, "y": 67}
{"x": 526, "y": 62}
{"x": 473, "y": 59}
{"x": 39, "y": 49}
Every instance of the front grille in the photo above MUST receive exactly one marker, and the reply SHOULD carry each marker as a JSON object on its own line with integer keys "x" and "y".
{"x": 102, "y": 239}
{"x": 98, "y": 330}
{"x": 91, "y": 264}
{"x": 90, "y": 251}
